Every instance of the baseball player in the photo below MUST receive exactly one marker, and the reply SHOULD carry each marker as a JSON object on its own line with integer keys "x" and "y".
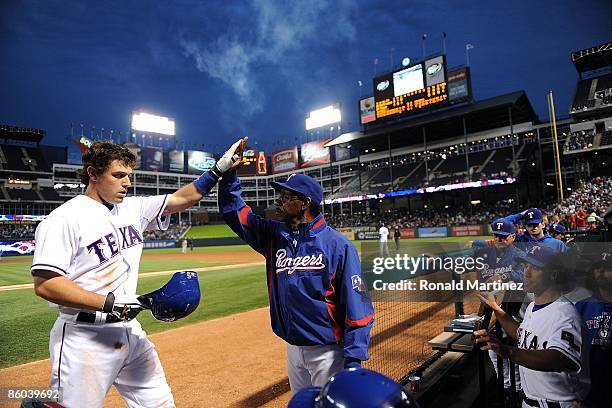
{"x": 553, "y": 363}
{"x": 534, "y": 226}
{"x": 86, "y": 264}
{"x": 596, "y": 313}
{"x": 383, "y": 233}
{"x": 318, "y": 301}
{"x": 557, "y": 231}
{"x": 502, "y": 261}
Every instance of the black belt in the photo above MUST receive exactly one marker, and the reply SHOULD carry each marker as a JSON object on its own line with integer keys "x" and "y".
{"x": 534, "y": 403}
{"x": 86, "y": 317}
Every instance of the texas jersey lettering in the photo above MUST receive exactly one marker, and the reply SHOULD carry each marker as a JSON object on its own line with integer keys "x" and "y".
{"x": 557, "y": 326}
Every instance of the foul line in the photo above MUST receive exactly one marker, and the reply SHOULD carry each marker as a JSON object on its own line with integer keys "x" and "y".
{"x": 149, "y": 274}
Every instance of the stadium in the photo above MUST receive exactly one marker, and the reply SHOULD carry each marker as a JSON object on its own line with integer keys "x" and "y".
{"x": 428, "y": 160}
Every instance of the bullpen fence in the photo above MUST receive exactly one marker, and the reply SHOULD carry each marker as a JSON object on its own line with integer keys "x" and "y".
{"x": 406, "y": 315}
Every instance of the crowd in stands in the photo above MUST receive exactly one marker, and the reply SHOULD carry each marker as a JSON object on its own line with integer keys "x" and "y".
{"x": 582, "y": 139}
{"x": 585, "y": 206}
{"x": 583, "y": 209}
{"x": 17, "y": 231}
{"x": 174, "y": 232}
{"x": 405, "y": 218}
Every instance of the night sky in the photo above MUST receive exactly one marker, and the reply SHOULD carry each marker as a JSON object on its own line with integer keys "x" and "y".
{"x": 256, "y": 68}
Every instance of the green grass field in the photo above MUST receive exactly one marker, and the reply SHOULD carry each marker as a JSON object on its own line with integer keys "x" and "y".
{"x": 26, "y": 319}
{"x": 210, "y": 231}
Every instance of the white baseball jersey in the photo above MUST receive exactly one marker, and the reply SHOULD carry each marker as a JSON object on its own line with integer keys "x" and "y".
{"x": 97, "y": 248}
{"x": 557, "y": 326}
{"x": 384, "y": 234}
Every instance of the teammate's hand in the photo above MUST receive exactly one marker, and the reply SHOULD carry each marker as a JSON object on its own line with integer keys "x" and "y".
{"x": 488, "y": 298}
{"x": 487, "y": 341}
{"x": 122, "y": 308}
{"x": 231, "y": 159}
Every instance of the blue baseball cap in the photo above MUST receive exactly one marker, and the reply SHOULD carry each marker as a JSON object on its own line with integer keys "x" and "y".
{"x": 532, "y": 216}
{"x": 303, "y": 185}
{"x": 502, "y": 226}
{"x": 539, "y": 256}
{"x": 558, "y": 229}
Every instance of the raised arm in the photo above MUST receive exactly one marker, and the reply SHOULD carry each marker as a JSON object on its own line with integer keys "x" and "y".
{"x": 189, "y": 195}
{"x": 253, "y": 229}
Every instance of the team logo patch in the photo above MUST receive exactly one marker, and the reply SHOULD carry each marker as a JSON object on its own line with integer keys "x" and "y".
{"x": 357, "y": 283}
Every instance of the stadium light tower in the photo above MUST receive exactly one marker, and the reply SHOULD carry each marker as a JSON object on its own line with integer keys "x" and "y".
{"x": 323, "y": 117}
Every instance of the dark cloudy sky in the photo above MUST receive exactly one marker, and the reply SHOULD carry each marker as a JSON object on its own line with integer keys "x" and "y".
{"x": 224, "y": 69}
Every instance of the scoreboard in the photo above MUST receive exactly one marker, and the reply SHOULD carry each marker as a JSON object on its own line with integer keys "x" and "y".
{"x": 412, "y": 89}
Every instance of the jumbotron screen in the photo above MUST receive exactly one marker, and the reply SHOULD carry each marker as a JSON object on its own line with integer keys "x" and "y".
{"x": 412, "y": 89}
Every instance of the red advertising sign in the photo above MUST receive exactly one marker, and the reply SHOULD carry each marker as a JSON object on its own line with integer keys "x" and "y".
{"x": 285, "y": 160}
{"x": 408, "y": 233}
{"x": 467, "y": 231}
{"x": 313, "y": 153}
{"x": 262, "y": 164}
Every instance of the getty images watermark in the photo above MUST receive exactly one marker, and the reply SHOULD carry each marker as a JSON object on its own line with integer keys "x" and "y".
{"x": 438, "y": 268}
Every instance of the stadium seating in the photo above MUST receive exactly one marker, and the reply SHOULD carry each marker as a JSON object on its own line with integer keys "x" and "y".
{"x": 579, "y": 140}
{"x": 22, "y": 195}
{"x": 49, "y": 194}
{"x": 606, "y": 138}
{"x": 23, "y": 158}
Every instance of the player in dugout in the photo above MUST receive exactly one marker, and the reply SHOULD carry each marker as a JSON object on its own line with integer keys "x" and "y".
{"x": 550, "y": 351}
{"x": 596, "y": 313}
{"x": 318, "y": 301}
{"x": 534, "y": 231}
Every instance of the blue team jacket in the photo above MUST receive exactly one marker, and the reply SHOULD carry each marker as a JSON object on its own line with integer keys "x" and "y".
{"x": 505, "y": 263}
{"x": 315, "y": 285}
{"x": 524, "y": 238}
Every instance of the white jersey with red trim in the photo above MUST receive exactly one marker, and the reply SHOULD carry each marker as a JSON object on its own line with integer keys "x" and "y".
{"x": 557, "y": 326}
{"x": 95, "y": 246}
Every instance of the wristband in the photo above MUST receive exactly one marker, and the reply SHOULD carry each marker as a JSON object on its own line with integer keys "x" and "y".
{"x": 109, "y": 302}
{"x": 207, "y": 180}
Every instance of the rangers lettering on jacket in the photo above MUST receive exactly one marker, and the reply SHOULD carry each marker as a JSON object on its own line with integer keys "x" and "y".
{"x": 487, "y": 271}
{"x": 299, "y": 263}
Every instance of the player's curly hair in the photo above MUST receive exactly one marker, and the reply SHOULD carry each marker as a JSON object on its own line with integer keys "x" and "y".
{"x": 101, "y": 154}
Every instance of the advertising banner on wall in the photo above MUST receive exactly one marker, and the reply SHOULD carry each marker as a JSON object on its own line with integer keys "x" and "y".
{"x": 262, "y": 163}
{"x": 408, "y": 233}
{"x": 16, "y": 248}
{"x": 199, "y": 162}
{"x": 177, "y": 161}
{"x": 459, "y": 84}
{"x": 137, "y": 151}
{"x": 285, "y": 160}
{"x": 467, "y": 231}
{"x": 367, "y": 110}
{"x": 343, "y": 152}
{"x": 314, "y": 154}
{"x": 152, "y": 158}
{"x": 249, "y": 166}
{"x": 433, "y": 232}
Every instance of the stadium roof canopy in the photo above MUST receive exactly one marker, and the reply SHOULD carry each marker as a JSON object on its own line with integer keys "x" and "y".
{"x": 21, "y": 134}
{"x": 479, "y": 116}
{"x": 593, "y": 58}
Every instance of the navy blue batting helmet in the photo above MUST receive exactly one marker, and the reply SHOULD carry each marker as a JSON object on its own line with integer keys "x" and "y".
{"x": 355, "y": 387}
{"x": 178, "y": 298}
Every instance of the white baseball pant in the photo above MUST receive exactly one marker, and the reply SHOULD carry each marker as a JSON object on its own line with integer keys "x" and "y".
{"x": 87, "y": 359}
{"x": 310, "y": 366}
